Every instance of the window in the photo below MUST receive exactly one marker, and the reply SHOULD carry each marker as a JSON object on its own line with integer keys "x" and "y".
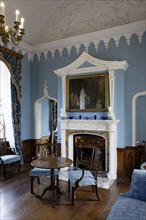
{"x": 6, "y": 127}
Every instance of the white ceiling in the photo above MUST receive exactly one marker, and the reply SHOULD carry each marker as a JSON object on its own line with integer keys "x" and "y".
{"x": 51, "y": 20}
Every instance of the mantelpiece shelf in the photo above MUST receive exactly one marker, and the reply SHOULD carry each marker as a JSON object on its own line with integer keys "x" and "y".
{"x": 100, "y": 125}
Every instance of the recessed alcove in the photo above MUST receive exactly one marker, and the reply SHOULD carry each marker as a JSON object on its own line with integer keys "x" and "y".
{"x": 45, "y": 115}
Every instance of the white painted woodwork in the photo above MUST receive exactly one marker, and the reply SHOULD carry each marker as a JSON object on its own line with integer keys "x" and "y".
{"x": 94, "y": 126}
{"x": 134, "y": 100}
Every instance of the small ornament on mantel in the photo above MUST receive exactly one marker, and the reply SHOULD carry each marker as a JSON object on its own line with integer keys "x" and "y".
{"x": 111, "y": 115}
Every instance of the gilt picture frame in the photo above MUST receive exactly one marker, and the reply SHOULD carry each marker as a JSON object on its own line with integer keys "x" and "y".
{"x": 87, "y": 93}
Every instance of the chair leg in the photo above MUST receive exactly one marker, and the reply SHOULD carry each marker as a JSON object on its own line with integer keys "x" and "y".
{"x": 19, "y": 167}
{"x": 57, "y": 179}
{"x": 96, "y": 191}
{"x": 38, "y": 179}
{"x": 32, "y": 178}
{"x": 31, "y": 184}
{"x": 93, "y": 188}
{"x": 4, "y": 169}
{"x": 68, "y": 185}
{"x": 72, "y": 196}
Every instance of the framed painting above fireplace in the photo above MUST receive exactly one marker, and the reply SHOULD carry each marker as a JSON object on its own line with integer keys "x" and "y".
{"x": 87, "y": 93}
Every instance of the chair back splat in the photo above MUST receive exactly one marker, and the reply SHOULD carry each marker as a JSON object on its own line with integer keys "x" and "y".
{"x": 96, "y": 154}
{"x": 43, "y": 150}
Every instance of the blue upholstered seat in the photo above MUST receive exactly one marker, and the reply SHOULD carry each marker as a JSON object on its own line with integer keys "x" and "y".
{"x": 128, "y": 209}
{"x": 7, "y": 159}
{"x": 138, "y": 185}
{"x": 87, "y": 180}
{"x": 132, "y": 204}
{"x": 42, "y": 172}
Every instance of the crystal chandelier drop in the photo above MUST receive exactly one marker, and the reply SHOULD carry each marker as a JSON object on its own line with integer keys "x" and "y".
{"x": 7, "y": 33}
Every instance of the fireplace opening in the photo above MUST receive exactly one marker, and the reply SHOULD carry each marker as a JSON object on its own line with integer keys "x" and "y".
{"x": 83, "y": 145}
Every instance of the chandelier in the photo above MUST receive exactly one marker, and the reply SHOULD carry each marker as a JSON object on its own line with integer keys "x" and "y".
{"x": 6, "y": 33}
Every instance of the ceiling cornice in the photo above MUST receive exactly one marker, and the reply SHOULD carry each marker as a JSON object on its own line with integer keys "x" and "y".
{"x": 115, "y": 33}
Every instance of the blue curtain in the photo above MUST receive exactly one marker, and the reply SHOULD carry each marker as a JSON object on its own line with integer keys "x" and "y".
{"x": 14, "y": 63}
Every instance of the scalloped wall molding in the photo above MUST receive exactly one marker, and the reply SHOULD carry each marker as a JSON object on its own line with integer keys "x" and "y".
{"x": 137, "y": 28}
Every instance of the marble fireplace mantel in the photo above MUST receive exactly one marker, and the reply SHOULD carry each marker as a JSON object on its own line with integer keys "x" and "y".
{"x": 100, "y": 125}
{"x": 76, "y": 126}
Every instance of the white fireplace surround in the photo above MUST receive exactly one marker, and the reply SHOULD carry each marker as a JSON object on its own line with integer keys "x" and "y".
{"x": 74, "y": 126}
{"x": 94, "y": 126}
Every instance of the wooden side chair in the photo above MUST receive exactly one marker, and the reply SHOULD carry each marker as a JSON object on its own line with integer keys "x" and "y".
{"x": 43, "y": 150}
{"x": 80, "y": 177}
{"x": 8, "y": 155}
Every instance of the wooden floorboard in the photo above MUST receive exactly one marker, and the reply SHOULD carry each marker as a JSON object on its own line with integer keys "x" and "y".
{"x": 17, "y": 203}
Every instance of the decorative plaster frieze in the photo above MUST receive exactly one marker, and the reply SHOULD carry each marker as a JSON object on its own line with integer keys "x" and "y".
{"x": 116, "y": 40}
{"x": 92, "y": 125}
{"x": 115, "y": 33}
{"x": 45, "y": 54}
{"x": 106, "y": 43}
{"x": 140, "y": 35}
{"x": 128, "y": 39}
{"x": 137, "y": 28}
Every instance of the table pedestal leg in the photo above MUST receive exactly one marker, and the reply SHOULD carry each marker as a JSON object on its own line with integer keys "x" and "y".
{"x": 52, "y": 187}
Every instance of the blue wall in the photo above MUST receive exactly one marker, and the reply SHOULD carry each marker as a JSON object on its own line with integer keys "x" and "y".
{"x": 26, "y": 100}
{"x": 126, "y": 84}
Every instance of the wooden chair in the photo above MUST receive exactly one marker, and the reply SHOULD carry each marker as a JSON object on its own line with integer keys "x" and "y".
{"x": 43, "y": 150}
{"x": 8, "y": 155}
{"x": 81, "y": 177}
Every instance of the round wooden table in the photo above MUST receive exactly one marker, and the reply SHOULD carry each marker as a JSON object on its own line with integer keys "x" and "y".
{"x": 51, "y": 163}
